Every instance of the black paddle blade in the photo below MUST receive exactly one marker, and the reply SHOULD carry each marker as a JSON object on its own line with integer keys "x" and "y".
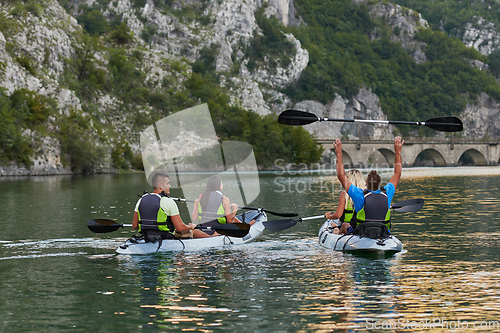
{"x": 102, "y": 226}
{"x": 296, "y": 118}
{"x": 281, "y": 214}
{"x": 445, "y": 124}
{"x": 273, "y": 213}
{"x": 407, "y": 206}
{"x": 278, "y": 225}
{"x": 233, "y": 229}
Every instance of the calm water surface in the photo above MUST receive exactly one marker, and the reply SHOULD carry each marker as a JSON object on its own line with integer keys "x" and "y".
{"x": 58, "y": 277}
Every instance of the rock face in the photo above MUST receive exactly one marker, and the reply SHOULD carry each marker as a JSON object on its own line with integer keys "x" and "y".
{"x": 405, "y": 23}
{"x": 481, "y": 35}
{"x": 364, "y": 106}
{"x": 225, "y": 27}
{"x": 47, "y": 41}
{"x": 481, "y": 119}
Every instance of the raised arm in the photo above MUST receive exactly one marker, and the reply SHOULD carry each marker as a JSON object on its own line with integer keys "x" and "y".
{"x": 398, "y": 164}
{"x": 340, "y": 208}
{"x": 346, "y": 183}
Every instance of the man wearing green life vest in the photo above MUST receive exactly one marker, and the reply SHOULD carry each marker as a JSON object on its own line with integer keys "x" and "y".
{"x": 373, "y": 203}
{"x": 157, "y": 216}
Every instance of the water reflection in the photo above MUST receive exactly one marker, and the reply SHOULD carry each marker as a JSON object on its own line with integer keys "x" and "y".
{"x": 283, "y": 282}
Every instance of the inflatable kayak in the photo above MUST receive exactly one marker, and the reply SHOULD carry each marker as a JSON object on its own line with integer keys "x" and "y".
{"x": 138, "y": 245}
{"x": 354, "y": 243}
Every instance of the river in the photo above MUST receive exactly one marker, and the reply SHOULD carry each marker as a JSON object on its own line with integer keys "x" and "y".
{"x": 57, "y": 276}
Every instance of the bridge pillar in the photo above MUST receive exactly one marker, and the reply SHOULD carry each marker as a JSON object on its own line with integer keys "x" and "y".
{"x": 493, "y": 154}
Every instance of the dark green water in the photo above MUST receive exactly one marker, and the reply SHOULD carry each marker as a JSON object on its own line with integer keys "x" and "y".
{"x": 57, "y": 277}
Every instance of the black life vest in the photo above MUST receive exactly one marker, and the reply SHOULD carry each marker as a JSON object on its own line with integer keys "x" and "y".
{"x": 152, "y": 218}
{"x": 375, "y": 209}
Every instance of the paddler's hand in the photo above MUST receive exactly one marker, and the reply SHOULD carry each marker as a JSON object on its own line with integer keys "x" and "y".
{"x": 327, "y": 214}
{"x": 398, "y": 143}
{"x": 191, "y": 225}
{"x": 338, "y": 147}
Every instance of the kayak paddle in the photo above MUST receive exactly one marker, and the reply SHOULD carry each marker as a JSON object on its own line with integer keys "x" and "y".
{"x": 101, "y": 226}
{"x": 273, "y": 213}
{"x": 278, "y": 225}
{"x": 175, "y": 199}
{"x": 407, "y": 206}
{"x": 249, "y": 208}
{"x": 298, "y": 118}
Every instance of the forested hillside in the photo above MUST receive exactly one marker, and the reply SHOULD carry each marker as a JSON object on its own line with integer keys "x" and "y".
{"x": 343, "y": 57}
{"x": 83, "y": 79}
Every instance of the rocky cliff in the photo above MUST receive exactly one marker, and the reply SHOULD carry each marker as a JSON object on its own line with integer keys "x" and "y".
{"x": 48, "y": 35}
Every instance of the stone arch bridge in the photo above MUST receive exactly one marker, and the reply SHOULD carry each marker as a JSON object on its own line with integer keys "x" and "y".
{"x": 444, "y": 152}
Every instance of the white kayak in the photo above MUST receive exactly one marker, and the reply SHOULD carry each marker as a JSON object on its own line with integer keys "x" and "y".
{"x": 140, "y": 246}
{"x": 352, "y": 243}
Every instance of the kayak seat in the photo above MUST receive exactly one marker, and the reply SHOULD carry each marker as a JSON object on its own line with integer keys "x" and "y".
{"x": 154, "y": 236}
{"x": 372, "y": 230}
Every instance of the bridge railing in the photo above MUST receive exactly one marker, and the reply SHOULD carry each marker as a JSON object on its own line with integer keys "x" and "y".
{"x": 417, "y": 140}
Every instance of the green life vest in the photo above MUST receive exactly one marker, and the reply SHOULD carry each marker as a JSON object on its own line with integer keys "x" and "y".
{"x": 375, "y": 209}
{"x": 152, "y": 217}
{"x": 348, "y": 213}
{"x": 214, "y": 209}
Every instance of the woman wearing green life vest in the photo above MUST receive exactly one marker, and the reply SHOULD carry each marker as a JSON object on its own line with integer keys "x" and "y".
{"x": 213, "y": 208}
{"x": 345, "y": 213}
{"x": 373, "y": 203}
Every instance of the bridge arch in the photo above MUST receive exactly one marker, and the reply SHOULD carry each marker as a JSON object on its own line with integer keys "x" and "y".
{"x": 345, "y": 158}
{"x": 381, "y": 158}
{"x": 472, "y": 157}
{"x": 429, "y": 154}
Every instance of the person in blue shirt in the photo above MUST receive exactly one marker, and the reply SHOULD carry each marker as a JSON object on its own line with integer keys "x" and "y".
{"x": 373, "y": 203}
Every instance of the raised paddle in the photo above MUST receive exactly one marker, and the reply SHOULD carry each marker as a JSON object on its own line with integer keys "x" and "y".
{"x": 407, "y": 206}
{"x": 101, "y": 226}
{"x": 298, "y": 118}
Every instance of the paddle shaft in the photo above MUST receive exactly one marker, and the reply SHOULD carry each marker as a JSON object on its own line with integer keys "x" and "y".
{"x": 373, "y": 121}
{"x": 249, "y": 208}
{"x": 197, "y": 227}
{"x": 182, "y": 199}
{"x": 299, "y": 118}
{"x": 311, "y": 217}
{"x": 412, "y": 205}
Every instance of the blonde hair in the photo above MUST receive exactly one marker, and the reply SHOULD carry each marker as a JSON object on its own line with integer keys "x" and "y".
{"x": 357, "y": 180}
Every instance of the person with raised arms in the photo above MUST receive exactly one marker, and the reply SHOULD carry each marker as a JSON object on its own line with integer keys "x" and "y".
{"x": 373, "y": 203}
{"x": 213, "y": 208}
{"x": 344, "y": 217}
{"x": 157, "y": 217}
